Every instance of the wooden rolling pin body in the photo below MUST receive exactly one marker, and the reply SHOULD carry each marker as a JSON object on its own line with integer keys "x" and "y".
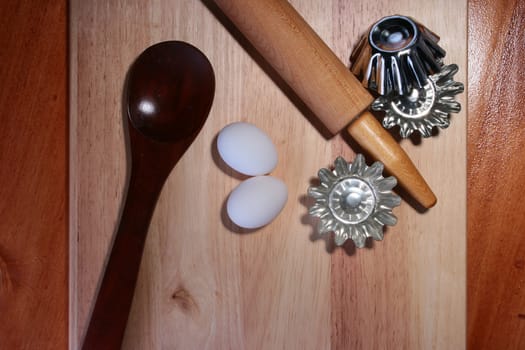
{"x": 323, "y": 82}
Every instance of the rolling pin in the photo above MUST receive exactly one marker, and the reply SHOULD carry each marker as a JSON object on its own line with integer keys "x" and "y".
{"x": 323, "y": 82}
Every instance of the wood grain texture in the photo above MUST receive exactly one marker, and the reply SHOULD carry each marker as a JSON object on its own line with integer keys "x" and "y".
{"x": 496, "y": 167}
{"x": 494, "y": 295}
{"x": 33, "y": 177}
{"x": 301, "y": 58}
{"x": 203, "y": 282}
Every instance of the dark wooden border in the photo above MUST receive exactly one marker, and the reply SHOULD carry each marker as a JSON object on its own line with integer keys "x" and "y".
{"x": 33, "y": 175}
{"x": 496, "y": 175}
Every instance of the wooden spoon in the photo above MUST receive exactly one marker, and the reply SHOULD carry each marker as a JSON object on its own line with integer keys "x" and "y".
{"x": 169, "y": 94}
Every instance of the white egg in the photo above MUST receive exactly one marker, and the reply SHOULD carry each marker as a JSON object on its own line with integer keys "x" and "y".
{"x": 257, "y": 201}
{"x": 247, "y": 149}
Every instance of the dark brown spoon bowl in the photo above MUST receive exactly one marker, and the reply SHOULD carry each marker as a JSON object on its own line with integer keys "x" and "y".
{"x": 169, "y": 93}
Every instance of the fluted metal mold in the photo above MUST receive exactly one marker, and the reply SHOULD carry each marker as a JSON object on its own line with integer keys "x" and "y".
{"x": 425, "y": 108}
{"x": 396, "y": 55}
{"x": 354, "y": 201}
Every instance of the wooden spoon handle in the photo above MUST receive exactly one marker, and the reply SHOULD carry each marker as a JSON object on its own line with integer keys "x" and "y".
{"x": 322, "y": 81}
{"x": 108, "y": 320}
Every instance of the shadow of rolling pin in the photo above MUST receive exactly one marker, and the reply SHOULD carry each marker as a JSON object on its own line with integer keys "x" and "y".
{"x": 323, "y": 82}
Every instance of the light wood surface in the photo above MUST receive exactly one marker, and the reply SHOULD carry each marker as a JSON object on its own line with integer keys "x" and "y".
{"x": 496, "y": 168}
{"x": 301, "y": 58}
{"x": 204, "y": 283}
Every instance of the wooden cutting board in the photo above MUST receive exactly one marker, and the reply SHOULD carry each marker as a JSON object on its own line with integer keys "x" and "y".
{"x": 204, "y": 283}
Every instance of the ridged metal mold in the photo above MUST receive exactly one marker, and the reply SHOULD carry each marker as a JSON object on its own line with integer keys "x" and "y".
{"x": 424, "y": 108}
{"x": 396, "y": 55}
{"x": 354, "y": 201}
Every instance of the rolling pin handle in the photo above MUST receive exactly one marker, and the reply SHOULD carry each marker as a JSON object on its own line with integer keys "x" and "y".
{"x": 371, "y": 135}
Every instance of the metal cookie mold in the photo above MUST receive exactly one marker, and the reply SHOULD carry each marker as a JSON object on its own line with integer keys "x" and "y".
{"x": 396, "y": 55}
{"x": 424, "y": 108}
{"x": 354, "y": 201}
